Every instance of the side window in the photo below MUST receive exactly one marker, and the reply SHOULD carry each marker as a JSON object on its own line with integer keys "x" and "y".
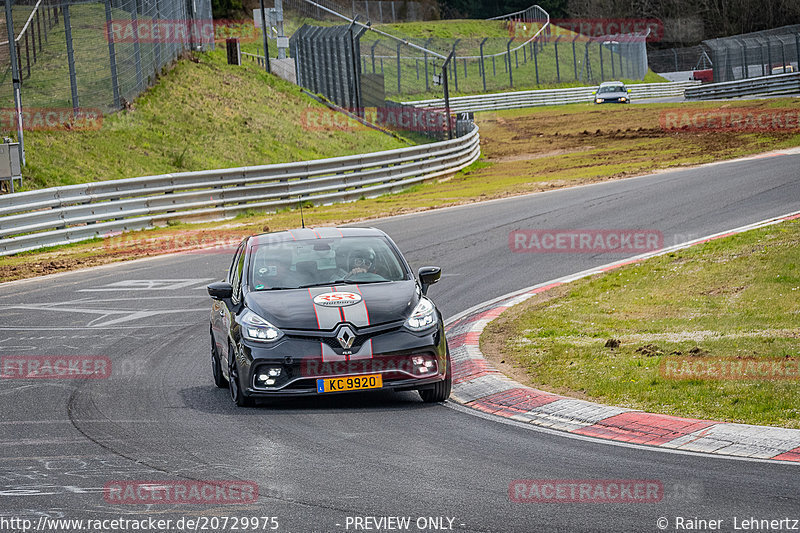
{"x": 234, "y": 262}
{"x": 237, "y": 275}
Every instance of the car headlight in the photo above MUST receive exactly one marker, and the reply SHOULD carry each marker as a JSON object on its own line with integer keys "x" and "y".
{"x": 255, "y": 328}
{"x": 598, "y": 101}
{"x": 622, "y": 99}
{"x": 423, "y": 316}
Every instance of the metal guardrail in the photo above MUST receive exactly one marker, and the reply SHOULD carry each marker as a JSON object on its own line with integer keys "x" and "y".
{"x": 763, "y": 85}
{"x": 62, "y": 215}
{"x": 513, "y": 100}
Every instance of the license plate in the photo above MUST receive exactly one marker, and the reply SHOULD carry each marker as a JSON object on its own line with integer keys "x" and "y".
{"x": 374, "y": 381}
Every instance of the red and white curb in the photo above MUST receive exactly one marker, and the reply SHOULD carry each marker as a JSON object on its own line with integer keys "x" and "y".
{"x": 477, "y": 384}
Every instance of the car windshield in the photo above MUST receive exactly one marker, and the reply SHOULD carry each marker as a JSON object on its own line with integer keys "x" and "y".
{"x": 319, "y": 262}
{"x": 612, "y": 89}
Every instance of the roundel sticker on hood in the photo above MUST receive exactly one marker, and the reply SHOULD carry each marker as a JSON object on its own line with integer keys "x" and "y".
{"x": 337, "y": 299}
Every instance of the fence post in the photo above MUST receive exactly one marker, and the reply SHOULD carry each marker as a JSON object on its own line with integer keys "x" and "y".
{"x": 602, "y": 69}
{"x": 455, "y": 65}
{"x": 783, "y": 55}
{"x": 558, "y": 70}
{"x": 447, "y": 97}
{"x": 494, "y": 67}
{"x": 157, "y": 45}
{"x": 15, "y": 68}
{"x": 761, "y": 51}
{"x": 675, "y": 53}
{"x": 28, "y": 54}
{"x": 398, "y": 67}
{"x": 32, "y": 30}
{"x": 769, "y": 56}
{"x": 425, "y": 58}
{"x": 613, "y": 67}
{"x": 745, "y": 67}
{"x": 575, "y": 57}
{"x": 264, "y": 36}
{"x": 508, "y": 55}
{"x": 112, "y": 56}
{"x": 73, "y": 81}
{"x": 372, "y": 52}
{"x": 536, "y": 62}
{"x": 483, "y": 64}
{"x": 465, "y": 68}
{"x": 137, "y": 51}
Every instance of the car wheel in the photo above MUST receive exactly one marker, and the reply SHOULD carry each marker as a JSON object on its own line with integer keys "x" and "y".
{"x": 235, "y": 385}
{"x": 441, "y": 391}
{"x": 216, "y": 367}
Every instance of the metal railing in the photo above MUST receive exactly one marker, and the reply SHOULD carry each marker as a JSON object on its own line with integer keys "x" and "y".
{"x": 33, "y": 36}
{"x": 518, "y": 99}
{"x": 63, "y": 215}
{"x": 763, "y": 85}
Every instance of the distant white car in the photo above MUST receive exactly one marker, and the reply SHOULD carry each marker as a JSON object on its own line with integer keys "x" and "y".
{"x": 612, "y": 92}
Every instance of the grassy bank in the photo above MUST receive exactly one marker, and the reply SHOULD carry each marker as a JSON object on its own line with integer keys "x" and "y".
{"x": 524, "y": 151}
{"x": 202, "y": 114}
{"x": 733, "y": 299}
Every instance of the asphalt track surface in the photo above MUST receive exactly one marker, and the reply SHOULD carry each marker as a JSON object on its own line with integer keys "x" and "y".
{"x": 320, "y": 460}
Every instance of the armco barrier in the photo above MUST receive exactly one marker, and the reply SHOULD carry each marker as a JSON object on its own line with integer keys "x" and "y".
{"x": 572, "y": 95}
{"x": 61, "y": 215}
{"x": 763, "y": 85}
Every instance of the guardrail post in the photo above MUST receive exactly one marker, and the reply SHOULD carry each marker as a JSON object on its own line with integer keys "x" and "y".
{"x": 483, "y": 63}
{"x": 73, "y": 81}
{"x": 112, "y": 55}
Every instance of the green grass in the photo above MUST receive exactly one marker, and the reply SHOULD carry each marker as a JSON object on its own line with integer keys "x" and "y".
{"x": 203, "y": 114}
{"x": 735, "y": 297}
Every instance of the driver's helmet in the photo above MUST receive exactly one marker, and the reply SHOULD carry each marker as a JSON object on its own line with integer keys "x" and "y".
{"x": 361, "y": 258}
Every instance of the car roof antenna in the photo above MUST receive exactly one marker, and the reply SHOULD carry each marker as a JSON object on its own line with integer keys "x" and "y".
{"x": 300, "y": 202}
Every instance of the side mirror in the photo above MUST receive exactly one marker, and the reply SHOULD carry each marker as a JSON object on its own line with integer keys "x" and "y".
{"x": 221, "y": 290}
{"x": 428, "y": 276}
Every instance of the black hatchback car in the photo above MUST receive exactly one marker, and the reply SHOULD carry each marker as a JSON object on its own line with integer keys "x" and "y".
{"x": 326, "y": 310}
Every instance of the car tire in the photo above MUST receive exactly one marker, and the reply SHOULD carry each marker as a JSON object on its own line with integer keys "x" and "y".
{"x": 440, "y": 391}
{"x": 234, "y": 384}
{"x": 216, "y": 367}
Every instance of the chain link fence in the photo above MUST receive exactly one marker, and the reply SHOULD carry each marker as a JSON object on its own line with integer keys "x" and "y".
{"x": 519, "y": 50}
{"x": 750, "y": 55}
{"x": 99, "y": 55}
{"x": 679, "y": 59}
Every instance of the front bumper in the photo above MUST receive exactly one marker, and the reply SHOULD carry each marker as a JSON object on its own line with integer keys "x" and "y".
{"x": 302, "y": 360}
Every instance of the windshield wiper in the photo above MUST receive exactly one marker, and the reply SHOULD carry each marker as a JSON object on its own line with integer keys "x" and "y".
{"x": 342, "y": 281}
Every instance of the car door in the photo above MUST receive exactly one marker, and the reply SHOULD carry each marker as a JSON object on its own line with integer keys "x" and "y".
{"x": 220, "y": 316}
{"x": 226, "y": 311}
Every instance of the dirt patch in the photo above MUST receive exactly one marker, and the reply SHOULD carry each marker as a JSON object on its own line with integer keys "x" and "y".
{"x": 528, "y": 157}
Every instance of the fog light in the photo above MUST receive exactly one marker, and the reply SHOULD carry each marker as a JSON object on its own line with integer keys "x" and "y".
{"x": 429, "y": 364}
{"x": 274, "y": 372}
{"x": 269, "y": 382}
{"x": 418, "y": 360}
